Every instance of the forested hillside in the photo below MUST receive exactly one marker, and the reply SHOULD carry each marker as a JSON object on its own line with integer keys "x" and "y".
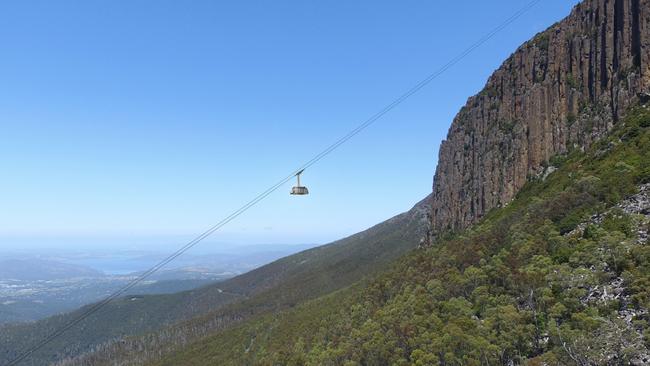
{"x": 561, "y": 276}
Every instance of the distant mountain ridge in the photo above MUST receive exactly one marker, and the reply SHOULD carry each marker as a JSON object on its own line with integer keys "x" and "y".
{"x": 563, "y": 89}
{"x": 34, "y": 269}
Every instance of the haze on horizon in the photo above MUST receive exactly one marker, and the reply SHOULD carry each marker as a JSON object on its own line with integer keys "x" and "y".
{"x": 150, "y": 121}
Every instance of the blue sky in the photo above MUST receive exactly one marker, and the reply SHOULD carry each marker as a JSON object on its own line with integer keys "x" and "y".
{"x": 147, "y": 121}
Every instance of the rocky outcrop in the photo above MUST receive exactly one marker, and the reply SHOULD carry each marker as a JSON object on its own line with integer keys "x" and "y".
{"x": 562, "y": 90}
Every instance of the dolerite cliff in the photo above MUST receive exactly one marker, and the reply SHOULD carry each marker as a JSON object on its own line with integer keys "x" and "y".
{"x": 562, "y": 90}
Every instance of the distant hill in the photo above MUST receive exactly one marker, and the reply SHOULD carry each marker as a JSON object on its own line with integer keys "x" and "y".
{"x": 38, "y": 269}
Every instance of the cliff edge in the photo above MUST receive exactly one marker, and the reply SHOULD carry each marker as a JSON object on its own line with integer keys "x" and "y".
{"x": 564, "y": 89}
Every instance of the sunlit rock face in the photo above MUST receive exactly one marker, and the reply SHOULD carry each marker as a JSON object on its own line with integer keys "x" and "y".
{"x": 561, "y": 90}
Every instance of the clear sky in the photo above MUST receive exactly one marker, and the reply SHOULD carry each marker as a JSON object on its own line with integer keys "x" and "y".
{"x": 126, "y": 120}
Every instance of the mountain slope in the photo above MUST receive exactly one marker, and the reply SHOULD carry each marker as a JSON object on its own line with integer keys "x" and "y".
{"x": 280, "y": 284}
{"x": 558, "y": 277}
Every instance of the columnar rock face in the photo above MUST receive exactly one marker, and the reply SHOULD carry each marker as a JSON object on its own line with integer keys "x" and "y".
{"x": 563, "y": 89}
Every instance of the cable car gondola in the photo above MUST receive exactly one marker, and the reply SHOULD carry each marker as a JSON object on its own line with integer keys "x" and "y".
{"x": 299, "y": 190}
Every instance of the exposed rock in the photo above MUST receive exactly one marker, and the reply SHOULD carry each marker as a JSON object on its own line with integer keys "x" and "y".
{"x": 638, "y": 204}
{"x": 564, "y": 89}
{"x": 546, "y": 172}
